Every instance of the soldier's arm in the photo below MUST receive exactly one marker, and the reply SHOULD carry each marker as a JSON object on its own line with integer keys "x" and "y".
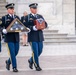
{"x": 27, "y": 23}
{"x": 2, "y": 26}
{"x": 3, "y": 22}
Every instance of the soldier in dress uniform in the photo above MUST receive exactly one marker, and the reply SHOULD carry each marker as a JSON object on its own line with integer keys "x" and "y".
{"x": 35, "y": 37}
{"x": 0, "y": 32}
{"x": 11, "y": 39}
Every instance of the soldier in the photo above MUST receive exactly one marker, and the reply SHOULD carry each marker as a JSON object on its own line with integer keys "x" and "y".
{"x": 0, "y": 32}
{"x": 35, "y": 37}
{"x": 11, "y": 39}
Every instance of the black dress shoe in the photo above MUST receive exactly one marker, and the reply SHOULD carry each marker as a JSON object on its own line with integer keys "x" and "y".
{"x": 25, "y": 45}
{"x": 15, "y": 70}
{"x": 30, "y": 64}
{"x": 7, "y": 65}
{"x": 38, "y": 68}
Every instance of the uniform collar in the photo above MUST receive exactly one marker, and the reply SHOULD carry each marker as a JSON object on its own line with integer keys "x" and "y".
{"x": 33, "y": 14}
{"x": 11, "y": 15}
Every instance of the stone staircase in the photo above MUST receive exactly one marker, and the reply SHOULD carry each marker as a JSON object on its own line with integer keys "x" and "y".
{"x": 3, "y": 10}
{"x": 53, "y": 37}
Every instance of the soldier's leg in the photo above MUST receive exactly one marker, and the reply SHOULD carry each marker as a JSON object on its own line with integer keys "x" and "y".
{"x": 35, "y": 56}
{"x": 40, "y": 48}
{"x": 9, "y": 61}
{"x": 31, "y": 59}
{"x": 16, "y": 48}
{"x": 12, "y": 54}
{"x": 35, "y": 53}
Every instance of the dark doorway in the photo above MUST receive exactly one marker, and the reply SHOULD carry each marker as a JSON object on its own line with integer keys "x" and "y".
{"x": 75, "y": 16}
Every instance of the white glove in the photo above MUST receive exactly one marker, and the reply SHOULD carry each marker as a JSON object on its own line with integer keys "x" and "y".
{"x": 4, "y": 31}
{"x": 34, "y": 28}
{"x": 25, "y": 32}
{"x": 29, "y": 30}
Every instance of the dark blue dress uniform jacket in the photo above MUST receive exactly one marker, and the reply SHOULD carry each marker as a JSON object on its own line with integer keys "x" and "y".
{"x": 0, "y": 28}
{"x": 34, "y": 36}
{"x": 11, "y": 36}
{"x": 23, "y": 19}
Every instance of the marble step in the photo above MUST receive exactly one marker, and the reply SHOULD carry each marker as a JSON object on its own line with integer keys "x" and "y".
{"x": 50, "y": 31}
{"x": 2, "y": 1}
{"x": 3, "y": 11}
{"x": 54, "y": 34}
{"x": 60, "y": 37}
{"x": 2, "y": 7}
{"x": 3, "y": 4}
{"x": 56, "y": 38}
{"x": 2, "y": 14}
{"x": 59, "y": 41}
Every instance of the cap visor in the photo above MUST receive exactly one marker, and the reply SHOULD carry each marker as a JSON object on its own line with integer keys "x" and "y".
{"x": 10, "y": 8}
{"x": 34, "y": 7}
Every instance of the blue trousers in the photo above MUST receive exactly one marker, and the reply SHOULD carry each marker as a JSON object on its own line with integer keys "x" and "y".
{"x": 13, "y": 50}
{"x": 37, "y": 50}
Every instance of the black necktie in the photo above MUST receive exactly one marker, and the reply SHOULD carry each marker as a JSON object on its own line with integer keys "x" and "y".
{"x": 12, "y": 16}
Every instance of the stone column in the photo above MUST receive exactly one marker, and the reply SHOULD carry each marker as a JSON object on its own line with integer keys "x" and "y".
{"x": 75, "y": 15}
{"x": 68, "y": 16}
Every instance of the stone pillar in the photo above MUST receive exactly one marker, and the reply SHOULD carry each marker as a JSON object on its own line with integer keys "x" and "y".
{"x": 75, "y": 16}
{"x": 69, "y": 16}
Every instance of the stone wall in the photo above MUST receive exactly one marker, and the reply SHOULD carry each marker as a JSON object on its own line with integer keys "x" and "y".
{"x": 59, "y": 14}
{"x": 69, "y": 16}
